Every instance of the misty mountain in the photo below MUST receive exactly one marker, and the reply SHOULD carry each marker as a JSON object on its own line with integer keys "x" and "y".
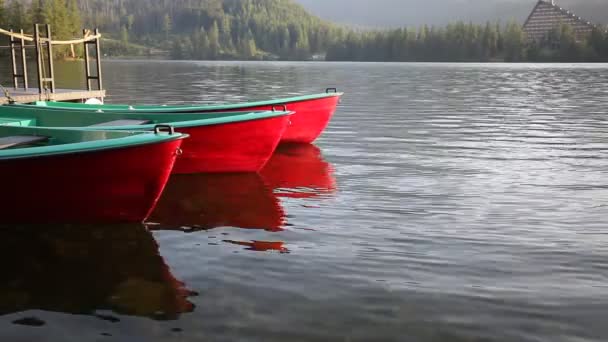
{"x": 383, "y": 13}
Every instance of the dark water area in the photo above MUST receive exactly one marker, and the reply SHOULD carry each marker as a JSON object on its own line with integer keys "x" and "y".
{"x": 445, "y": 202}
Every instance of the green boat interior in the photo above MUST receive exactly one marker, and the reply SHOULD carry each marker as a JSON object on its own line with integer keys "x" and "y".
{"x": 165, "y": 108}
{"x": 32, "y": 116}
{"x": 21, "y": 142}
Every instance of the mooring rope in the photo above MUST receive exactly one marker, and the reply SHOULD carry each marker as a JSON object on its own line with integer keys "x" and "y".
{"x": 87, "y": 38}
{"x": 7, "y": 94}
{"x": 73, "y": 41}
{"x": 27, "y": 37}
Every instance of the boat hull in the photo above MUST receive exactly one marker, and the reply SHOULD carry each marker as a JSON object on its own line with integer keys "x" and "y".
{"x": 310, "y": 118}
{"x": 312, "y": 113}
{"x": 232, "y": 147}
{"x": 104, "y": 186}
{"x": 219, "y": 142}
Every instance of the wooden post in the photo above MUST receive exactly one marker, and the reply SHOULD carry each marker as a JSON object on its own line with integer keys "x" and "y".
{"x": 38, "y": 57}
{"x": 23, "y": 61}
{"x": 16, "y": 75}
{"x": 12, "y": 43}
{"x": 98, "y": 48}
{"x": 86, "y": 62}
{"x": 51, "y": 78}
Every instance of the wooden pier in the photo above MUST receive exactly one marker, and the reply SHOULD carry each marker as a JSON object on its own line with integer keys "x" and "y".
{"x": 46, "y": 91}
{"x": 64, "y": 95}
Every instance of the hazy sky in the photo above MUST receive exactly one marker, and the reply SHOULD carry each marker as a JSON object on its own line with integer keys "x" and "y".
{"x": 416, "y": 12}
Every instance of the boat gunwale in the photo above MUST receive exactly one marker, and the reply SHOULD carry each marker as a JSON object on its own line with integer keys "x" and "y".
{"x": 225, "y": 118}
{"x": 135, "y": 139}
{"x": 182, "y": 108}
{"x": 251, "y": 116}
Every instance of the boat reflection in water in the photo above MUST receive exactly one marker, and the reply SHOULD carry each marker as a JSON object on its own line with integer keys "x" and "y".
{"x": 299, "y": 171}
{"x": 251, "y": 201}
{"x": 261, "y": 246}
{"x": 85, "y": 270}
{"x": 207, "y": 201}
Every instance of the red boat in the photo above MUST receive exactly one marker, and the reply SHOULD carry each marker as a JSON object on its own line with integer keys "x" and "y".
{"x": 71, "y": 176}
{"x": 311, "y": 117}
{"x": 239, "y": 146}
{"x": 219, "y": 142}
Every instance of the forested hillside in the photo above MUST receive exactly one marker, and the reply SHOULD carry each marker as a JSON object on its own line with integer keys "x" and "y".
{"x": 282, "y": 29}
{"x": 467, "y": 42}
{"x": 198, "y": 29}
{"x": 398, "y": 13}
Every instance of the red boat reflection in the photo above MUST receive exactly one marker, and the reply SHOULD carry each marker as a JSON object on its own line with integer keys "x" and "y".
{"x": 299, "y": 171}
{"x": 83, "y": 270}
{"x": 206, "y": 201}
{"x": 261, "y": 246}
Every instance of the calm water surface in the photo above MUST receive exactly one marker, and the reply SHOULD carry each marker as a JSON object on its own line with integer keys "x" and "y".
{"x": 444, "y": 203}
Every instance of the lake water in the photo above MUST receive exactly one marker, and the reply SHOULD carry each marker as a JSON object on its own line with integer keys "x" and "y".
{"x": 445, "y": 202}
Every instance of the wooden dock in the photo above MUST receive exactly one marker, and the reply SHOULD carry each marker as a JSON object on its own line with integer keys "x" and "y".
{"x": 68, "y": 95}
{"x": 21, "y": 92}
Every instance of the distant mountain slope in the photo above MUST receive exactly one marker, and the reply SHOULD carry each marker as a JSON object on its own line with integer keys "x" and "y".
{"x": 384, "y": 13}
{"x": 214, "y": 28}
{"x": 284, "y": 29}
{"x": 198, "y": 29}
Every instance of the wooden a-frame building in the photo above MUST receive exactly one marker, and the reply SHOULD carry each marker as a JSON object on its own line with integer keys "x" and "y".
{"x": 547, "y": 15}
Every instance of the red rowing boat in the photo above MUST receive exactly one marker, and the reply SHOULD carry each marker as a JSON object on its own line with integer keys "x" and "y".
{"x": 237, "y": 146}
{"x": 312, "y": 113}
{"x": 83, "y": 176}
{"x": 219, "y": 142}
{"x": 311, "y": 116}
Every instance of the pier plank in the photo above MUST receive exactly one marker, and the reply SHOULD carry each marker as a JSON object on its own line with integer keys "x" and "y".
{"x": 32, "y": 95}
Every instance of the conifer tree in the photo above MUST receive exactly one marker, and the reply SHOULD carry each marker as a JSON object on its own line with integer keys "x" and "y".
{"x": 167, "y": 25}
{"x": 3, "y": 17}
{"x": 16, "y": 16}
{"x": 214, "y": 41}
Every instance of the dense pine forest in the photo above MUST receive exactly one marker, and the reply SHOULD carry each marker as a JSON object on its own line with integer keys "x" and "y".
{"x": 188, "y": 29}
{"x": 461, "y": 42}
{"x": 282, "y": 29}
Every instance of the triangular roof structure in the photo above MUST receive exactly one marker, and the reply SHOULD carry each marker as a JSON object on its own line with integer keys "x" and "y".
{"x": 547, "y": 15}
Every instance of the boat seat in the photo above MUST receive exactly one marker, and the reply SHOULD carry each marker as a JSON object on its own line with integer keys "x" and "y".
{"x": 125, "y": 122}
{"x": 21, "y": 140}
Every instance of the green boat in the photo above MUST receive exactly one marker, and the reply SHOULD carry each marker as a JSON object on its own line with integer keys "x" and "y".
{"x": 218, "y": 142}
{"x": 79, "y": 176}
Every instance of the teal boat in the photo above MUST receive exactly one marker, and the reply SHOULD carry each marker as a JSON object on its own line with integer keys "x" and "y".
{"x": 218, "y": 142}
{"x": 79, "y": 176}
